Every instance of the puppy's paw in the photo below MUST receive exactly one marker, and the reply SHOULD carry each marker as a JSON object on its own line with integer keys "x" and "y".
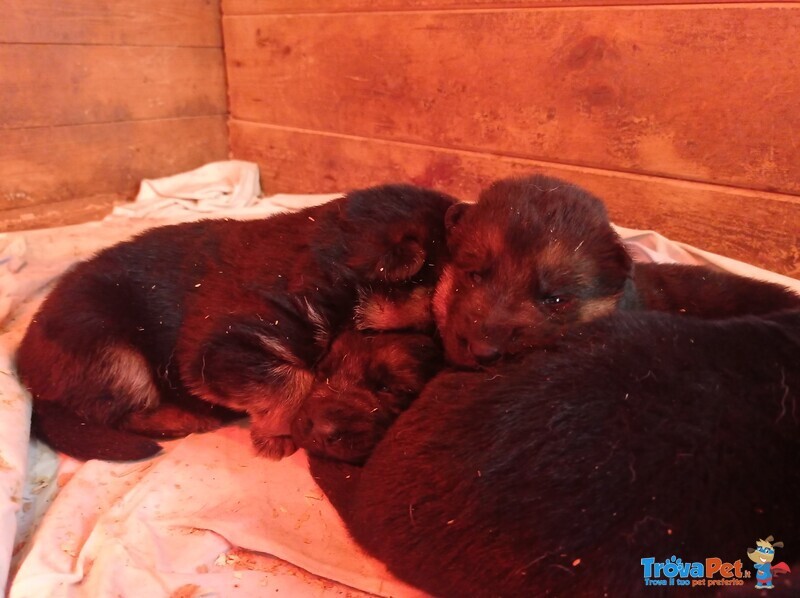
{"x": 374, "y": 311}
{"x": 274, "y": 447}
{"x": 169, "y": 421}
{"x": 380, "y": 311}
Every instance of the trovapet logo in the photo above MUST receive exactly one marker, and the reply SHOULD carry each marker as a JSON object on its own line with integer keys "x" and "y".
{"x": 714, "y": 571}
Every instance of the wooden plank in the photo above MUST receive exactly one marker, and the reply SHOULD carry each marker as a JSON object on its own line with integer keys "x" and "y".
{"x": 65, "y": 85}
{"x": 51, "y": 164}
{"x": 126, "y": 22}
{"x": 63, "y": 213}
{"x": 707, "y": 94}
{"x": 255, "y": 7}
{"x": 756, "y": 227}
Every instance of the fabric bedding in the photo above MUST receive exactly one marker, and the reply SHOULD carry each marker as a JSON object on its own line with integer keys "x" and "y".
{"x": 207, "y": 517}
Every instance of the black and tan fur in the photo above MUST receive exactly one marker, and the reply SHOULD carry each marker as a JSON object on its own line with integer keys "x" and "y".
{"x": 228, "y": 314}
{"x": 606, "y": 433}
{"x": 536, "y": 255}
{"x": 639, "y": 434}
{"x": 362, "y": 384}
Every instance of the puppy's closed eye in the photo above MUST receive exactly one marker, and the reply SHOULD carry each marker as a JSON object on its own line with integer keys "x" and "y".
{"x": 380, "y": 379}
{"x": 556, "y": 300}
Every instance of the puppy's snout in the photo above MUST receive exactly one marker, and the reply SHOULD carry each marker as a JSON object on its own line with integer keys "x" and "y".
{"x": 490, "y": 339}
{"x": 484, "y": 352}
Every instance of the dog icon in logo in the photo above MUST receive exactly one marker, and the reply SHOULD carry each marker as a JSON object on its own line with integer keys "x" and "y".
{"x": 763, "y": 556}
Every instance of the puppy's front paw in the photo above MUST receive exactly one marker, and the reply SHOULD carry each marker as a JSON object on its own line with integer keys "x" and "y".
{"x": 274, "y": 447}
{"x": 397, "y": 311}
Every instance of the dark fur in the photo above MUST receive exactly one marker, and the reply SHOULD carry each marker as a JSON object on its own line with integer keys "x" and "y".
{"x": 230, "y": 313}
{"x": 536, "y": 255}
{"x": 641, "y": 434}
{"x": 362, "y": 385}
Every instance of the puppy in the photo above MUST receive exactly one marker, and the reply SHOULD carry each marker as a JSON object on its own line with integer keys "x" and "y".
{"x": 536, "y": 255}
{"x": 363, "y": 383}
{"x": 228, "y": 313}
{"x": 638, "y": 435}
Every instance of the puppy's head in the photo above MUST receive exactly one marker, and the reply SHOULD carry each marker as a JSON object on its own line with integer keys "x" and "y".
{"x": 532, "y": 256}
{"x": 362, "y": 385}
{"x": 391, "y": 232}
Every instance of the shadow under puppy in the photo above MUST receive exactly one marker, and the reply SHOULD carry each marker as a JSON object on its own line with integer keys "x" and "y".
{"x": 536, "y": 255}
{"x": 638, "y": 435}
{"x": 361, "y": 385}
{"x": 149, "y": 334}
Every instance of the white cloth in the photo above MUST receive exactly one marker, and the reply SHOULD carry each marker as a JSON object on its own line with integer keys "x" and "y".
{"x": 230, "y": 187}
{"x": 207, "y": 513}
{"x": 207, "y": 517}
{"x": 649, "y": 246}
{"x": 219, "y": 185}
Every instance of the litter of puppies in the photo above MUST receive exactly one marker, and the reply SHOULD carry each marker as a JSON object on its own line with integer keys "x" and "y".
{"x": 577, "y": 379}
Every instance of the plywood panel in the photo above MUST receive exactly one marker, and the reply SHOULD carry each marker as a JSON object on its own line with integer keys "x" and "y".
{"x": 58, "y": 85}
{"x": 62, "y": 213}
{"x": 707, "y": 94}
{"x": 129, "y": 22}
{"x": 46, "y": 164}
{"x": 756, "y": 227}
{"x": 240, "y": 7}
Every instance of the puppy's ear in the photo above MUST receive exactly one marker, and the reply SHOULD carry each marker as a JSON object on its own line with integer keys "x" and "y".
{"x": 402, "y": 261}
{"x": 454, "y": 214}
{"x": 613, "y": 265}
{"x": 380, "y": 257}
{"x": 452, "y": 219}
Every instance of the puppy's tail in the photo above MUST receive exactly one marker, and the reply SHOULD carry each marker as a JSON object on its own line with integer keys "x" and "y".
{"x": 67, "y": 432}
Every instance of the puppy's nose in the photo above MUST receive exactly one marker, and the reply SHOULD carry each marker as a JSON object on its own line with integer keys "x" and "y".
{"x": 484, "y": 352}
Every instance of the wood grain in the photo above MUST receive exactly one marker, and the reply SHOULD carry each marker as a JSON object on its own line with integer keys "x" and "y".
{"x": 705, "y": 94}
{"x": 756, "y": 227}
{"x": 62, "y": 213}
{"x": 252, "y": 7}
{"x": 125, "y": 22}
{"x": 61, "y": 85}
{"x": 52, "y": 164}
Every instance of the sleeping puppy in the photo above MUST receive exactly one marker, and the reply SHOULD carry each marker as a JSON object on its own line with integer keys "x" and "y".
{"x": 362, "y": 384}
{"x": 638, "y": 435}
{"x": 536, "y": 255}
{"x": 228, "y": 314}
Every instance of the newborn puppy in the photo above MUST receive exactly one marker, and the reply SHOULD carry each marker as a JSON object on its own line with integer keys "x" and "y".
{"x": 230, "y": 313}
{"x": 640, "y": 435}
{"x": 536, "y": 255}
{"x": 361, "y": 386}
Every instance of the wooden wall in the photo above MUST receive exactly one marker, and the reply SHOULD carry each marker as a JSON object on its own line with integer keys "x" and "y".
{"x": 684, "y": 117}
{"x": 95, "y": 96}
